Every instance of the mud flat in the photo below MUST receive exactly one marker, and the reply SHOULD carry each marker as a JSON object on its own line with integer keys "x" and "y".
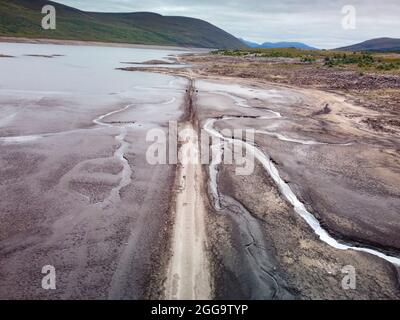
{"x": 306, "y": 268}
{"x": 78, "y": 192}
{"x": 300, "y": 265}
{"x": 358, "y": 167}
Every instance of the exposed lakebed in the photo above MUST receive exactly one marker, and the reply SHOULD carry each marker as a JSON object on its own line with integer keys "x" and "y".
{"x": 78, "y": 192}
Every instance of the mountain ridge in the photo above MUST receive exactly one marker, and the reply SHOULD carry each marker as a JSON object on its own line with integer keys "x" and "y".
{"x": 375, "y": 45}
{"x": 275, "y": 45}
{"x": 22, "y": 18}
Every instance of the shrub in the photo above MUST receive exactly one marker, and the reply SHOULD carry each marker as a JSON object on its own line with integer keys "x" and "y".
{"x": 388, "y": 66}
{"x": 308, "y": 59}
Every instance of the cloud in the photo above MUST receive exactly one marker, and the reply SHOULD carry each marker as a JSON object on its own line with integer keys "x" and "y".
{"x": 316, "y": 22}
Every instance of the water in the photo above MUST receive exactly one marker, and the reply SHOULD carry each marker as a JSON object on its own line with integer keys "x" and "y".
{"x": 80, "y": 69}
{"x": 41, "y": 96}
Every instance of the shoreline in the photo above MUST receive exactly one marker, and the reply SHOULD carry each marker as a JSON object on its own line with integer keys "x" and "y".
{"x": 96, "y": 44}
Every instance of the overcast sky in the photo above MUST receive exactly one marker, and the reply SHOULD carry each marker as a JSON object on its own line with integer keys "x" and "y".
{"x": 315, "y": 22}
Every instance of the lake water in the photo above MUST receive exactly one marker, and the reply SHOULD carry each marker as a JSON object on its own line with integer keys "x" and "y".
{"x": 80, "y": 69}
{"x": 39, "y": 94}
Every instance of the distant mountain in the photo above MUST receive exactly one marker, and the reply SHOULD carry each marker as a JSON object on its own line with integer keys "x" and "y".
{"x": 377, "y": 45}
{"x": 297, "y": 45}
{"x": 22, "y": 18}
{"x": 249, "y": 43}
{"x": 272, "y": 45}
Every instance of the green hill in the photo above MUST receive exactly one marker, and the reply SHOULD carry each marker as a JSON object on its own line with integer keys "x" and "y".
{"x": 22, "y": 18}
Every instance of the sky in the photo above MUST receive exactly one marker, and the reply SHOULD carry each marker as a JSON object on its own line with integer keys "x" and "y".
{"x": 317, "y": 23}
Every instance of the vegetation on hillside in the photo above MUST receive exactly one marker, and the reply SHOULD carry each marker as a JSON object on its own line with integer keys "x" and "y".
{"x": 22, "y": 18}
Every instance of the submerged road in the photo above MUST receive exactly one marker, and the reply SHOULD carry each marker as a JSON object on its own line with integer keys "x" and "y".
{"x": 189, "y": 271}
{"x": 188, "y": 275}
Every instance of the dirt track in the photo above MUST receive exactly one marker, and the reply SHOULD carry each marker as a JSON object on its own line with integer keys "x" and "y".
{"x": 189, "y": 271}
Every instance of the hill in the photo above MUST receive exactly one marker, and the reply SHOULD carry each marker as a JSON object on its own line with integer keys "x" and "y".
{"x": 376, "y": 45}
{"x": 22, "y": 18}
